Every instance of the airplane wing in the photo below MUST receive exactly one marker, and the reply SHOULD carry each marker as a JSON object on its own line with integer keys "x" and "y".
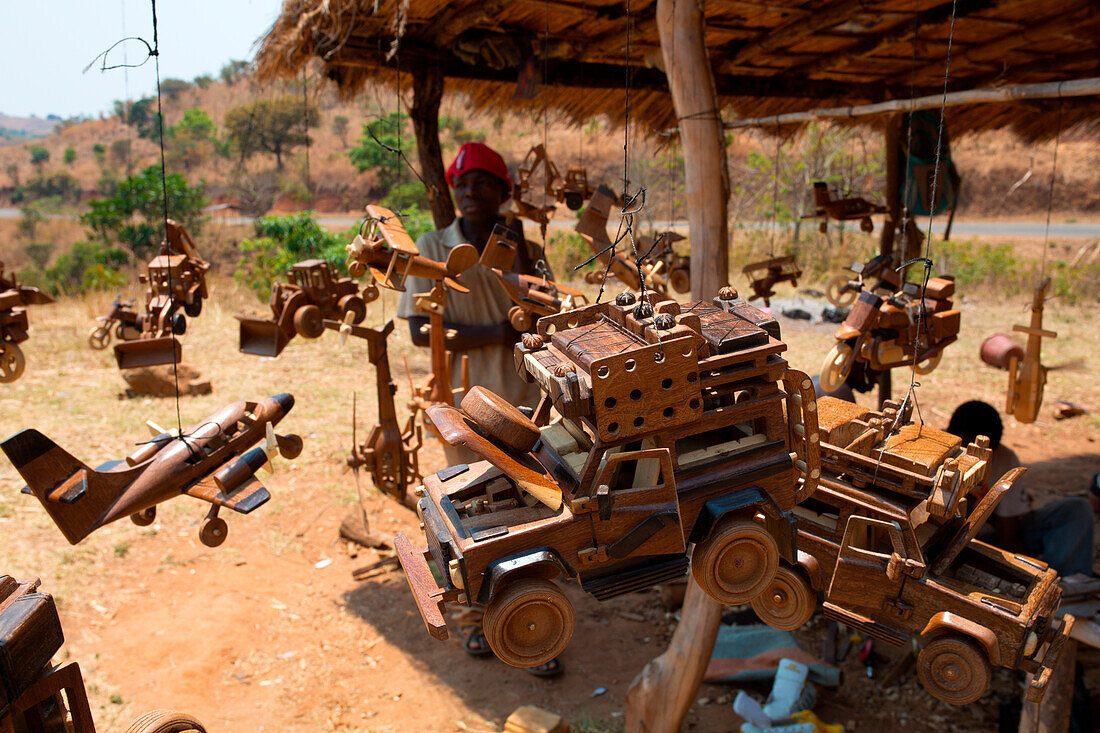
{"x": 250, "y": 495}
{"x": 392, "y": 230}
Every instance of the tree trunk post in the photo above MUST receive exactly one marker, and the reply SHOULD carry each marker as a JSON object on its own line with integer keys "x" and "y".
{"x": 427, "y": 94}
{"x": 681, "y": 25}
{"x": 894, "y": 152}
{"x": 660, "y": 696}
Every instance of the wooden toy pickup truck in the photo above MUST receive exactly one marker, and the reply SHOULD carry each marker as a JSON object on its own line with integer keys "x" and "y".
{"x": 313, "y": 294}
{"x": 672, "y": 435}
{"x": 888, "y": 541}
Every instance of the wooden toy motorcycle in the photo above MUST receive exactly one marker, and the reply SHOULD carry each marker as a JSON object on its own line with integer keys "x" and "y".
{"x": 121, "y": 319}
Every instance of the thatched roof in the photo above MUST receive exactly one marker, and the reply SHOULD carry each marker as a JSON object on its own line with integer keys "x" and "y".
{"x": 769, "y": 56}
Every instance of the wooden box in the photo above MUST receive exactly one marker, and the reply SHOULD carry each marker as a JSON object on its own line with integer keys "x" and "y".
{"x": 30, "y": 634}
{"x": 940, "y": 287}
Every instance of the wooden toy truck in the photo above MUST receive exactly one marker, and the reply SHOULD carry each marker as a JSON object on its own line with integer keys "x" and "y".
{"x": 672, "y": 436}
{"x": 888, "y": 540}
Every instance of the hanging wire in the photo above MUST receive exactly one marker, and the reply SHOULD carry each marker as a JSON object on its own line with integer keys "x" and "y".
{"x": 775, "y": 194}
{"x": 1050, "y": 188}
{"x": 903, "y": 224}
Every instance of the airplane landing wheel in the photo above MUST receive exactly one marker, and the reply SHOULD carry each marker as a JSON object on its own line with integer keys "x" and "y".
{"x": 166, "y": 721}
{"x": 357, "y": 269}
{"x": 370, "y": 293}
{"x": 529, "y": 622}
{"x": 144, "y": 518}
{"x": 99, "y": 338}
{"x": 12, "y": 362}
{"x": 519, "y": 318}
{"x": 213, "y": 531}
{"x": 290, "y": 447}
{"x": 866, "y": 225}
{"x": 833, "y": 371}
{"x": 737, "y": 562}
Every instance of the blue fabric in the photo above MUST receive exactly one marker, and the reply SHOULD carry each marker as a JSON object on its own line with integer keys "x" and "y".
{"x": 1061, "y": 535}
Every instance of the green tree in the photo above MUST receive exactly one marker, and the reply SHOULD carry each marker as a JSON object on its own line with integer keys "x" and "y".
{"x": 120, "y": 151}
{"x": 340, "y": 129}
{"x": 141, "y": 115}
{"x": 272, "y": 126}
{"x": 69, "y": 156}
{"x": 369, "y": 154}
{"x": 233, "y": 70}
{"x": 189, "y": 140}
{"x": 134, "y": 216}
{"x": 99, "y": 151}
{"x": 204, "y": 81}
{"x": 39, "y": 155}
{"x": 172, "y": 88}
{"x": 67, "y": 273}
{"x": 280, "y": 242}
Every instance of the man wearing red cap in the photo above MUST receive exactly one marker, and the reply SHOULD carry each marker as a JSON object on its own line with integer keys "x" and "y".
{"x": 478, "y": 319}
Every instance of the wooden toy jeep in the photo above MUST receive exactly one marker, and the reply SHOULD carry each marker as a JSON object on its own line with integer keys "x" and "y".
{"x": 888, "y": 540}
{"x": 672, "y": 449}
{"x": 313, "y": 294}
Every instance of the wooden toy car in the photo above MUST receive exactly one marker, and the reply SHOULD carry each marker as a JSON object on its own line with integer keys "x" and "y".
{"x": 121, "y": 319}
{"x": 175, "y": 279}
{"x": 300, "y": 306}
{"x": 14, "y": 326}
{"x": 1026, "y": 373}
{"x": 765, "y": 275}
{"x": 672, "y": 436}
{"x": 901, "y": 330}
{"x": 842, "y": 209}
{"x": 842, "y": 290}
{"x": 886, "y": 538}
{"x": 572, "y": 189}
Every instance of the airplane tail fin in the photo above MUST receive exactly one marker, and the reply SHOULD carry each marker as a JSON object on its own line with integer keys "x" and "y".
{"x": 74, "y": 495}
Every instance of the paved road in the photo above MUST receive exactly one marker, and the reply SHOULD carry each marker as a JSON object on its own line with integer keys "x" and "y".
{"x": 1030, "y": 229}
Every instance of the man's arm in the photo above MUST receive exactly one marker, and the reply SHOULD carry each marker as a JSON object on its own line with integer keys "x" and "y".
{"x": 466, "y": 338}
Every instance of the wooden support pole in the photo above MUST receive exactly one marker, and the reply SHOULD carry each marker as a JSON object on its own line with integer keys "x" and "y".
{"x": 895, "y": 156}
{"x": 427, "y": 94}
{"x": 660, "y": 696}
{"x": 691, "y": 81}
{"x": 1052, "y": 714}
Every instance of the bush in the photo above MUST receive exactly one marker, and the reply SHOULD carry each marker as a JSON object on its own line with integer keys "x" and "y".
{"x": 62, "y": 185}
{"x": 69, "y": 156}
{"x": 282, "y": 241}
{"x": 99, "y": 151}
{"x": 68, "y": 272}
{"x": 120, "y": 151}
{"x": 39, "y": 155}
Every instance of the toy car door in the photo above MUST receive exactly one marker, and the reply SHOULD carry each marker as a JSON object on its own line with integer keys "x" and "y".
{"x": 638, "y": 514}
{"x": 865, "y": 576}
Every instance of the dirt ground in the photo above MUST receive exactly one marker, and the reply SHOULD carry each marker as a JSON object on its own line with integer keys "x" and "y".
{"x": 271, "y": 633}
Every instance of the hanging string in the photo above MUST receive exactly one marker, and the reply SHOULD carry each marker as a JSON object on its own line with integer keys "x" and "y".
{"x": 305, "y": 124}
{"x": 545, "y": 118}
{"x": 1050, "y": 188}
{"x": 903, "y": 224}
{"x": 775, "y": 195}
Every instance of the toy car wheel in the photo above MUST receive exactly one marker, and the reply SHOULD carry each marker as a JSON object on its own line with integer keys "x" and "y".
{"x": 823, "y": 227}
{"x": 680, "y": 280}
{"x": 835, "y": 368}
{"x": 529, "y": 622}
{"x": 866, "y": 225}
{"x": 926, "y": 366}
{"x": 954, "y": 668}
{"x": 353, "y": 304}
{"x": 788, "y": 602}
{"x": 838, "y": 297}
{"x": 193, "y": 309}
{"x": 99, "y": 338}
{"x": 213, "y": 531}
{"x": 12, "y": 362}
{"x": 165, "y": 721}
{"x": 179, "y": 324}
{"x": 737, "y": 562}
{"x": 308, "y": 322}
{"x": 519, "y": 318}
{"x": 574, "y": 201}
{"x": 144, "y": 518}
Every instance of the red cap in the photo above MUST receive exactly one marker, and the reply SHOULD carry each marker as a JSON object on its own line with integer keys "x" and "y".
{"x": 479, "y": 157}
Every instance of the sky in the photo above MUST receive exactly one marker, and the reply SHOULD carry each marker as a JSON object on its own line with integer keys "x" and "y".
{"x": 45, "y": 45}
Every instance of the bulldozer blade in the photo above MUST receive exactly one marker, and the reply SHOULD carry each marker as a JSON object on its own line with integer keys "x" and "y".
{"x": 148, "y": 352}
{"x": 261, "y": 338}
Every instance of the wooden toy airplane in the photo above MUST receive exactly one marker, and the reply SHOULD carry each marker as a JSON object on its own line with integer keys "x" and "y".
{"x": 211, "y": 461}
{"x": 1026, "y": 373}
{"x": 386, "y": 249}
{"x": 765, "y": 275}
{"x": 843, "y": 209}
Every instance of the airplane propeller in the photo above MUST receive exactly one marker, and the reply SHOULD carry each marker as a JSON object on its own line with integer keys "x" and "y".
{"x": 156, "y": 430}
{"x": 271, "y": 447}
{"x": 345, "y": 328}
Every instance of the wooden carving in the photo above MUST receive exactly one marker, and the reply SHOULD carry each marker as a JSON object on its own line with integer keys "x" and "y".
{"x": 1026, "y": 374}
{"x": 842, "y": 290}
{"x": 765, "y": 275}
{"x": 888, "y": 538}
{"x": 121, "y": 320}
{"x": 314, "y": 293}
{"x": 14, "y": 326}
{"x": 842, "y": 209}
{"x": 175, "y": 280}
{"x": 572, "y": 189}
{"x": 899, "y": 330}
{"x": 389, "y": 453}
{"x": 674, "y": 432}
{"x": 214, "y": 461}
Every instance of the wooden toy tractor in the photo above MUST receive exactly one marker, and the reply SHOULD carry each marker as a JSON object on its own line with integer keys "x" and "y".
{"x": 14, "y": 326}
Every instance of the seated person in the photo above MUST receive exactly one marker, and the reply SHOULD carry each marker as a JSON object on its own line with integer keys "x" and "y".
{"x": 1059, "y": 533}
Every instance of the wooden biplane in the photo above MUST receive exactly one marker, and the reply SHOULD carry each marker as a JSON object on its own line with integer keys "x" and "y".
{"x": 214, "y": 461}
{"x": 1026, "y": 373}
{"x": 842, "y": 209}
{"x": 14, "y": 326}
{"x": 765, "y": 275}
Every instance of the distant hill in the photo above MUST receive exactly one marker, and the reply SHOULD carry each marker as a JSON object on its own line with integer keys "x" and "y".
{"x": 21, "y": 129}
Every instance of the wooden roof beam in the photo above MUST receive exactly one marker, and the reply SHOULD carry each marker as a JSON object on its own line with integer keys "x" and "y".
{"x": 457, "y": 19}
{"x": 772, "y": 39}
